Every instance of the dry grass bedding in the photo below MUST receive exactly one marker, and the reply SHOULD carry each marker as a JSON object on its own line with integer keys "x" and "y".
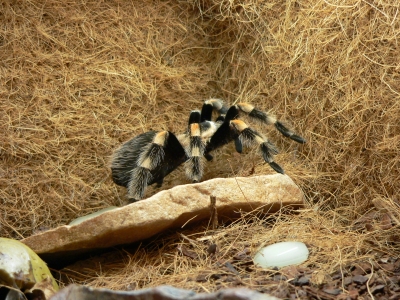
{"x": 78, "y": 78}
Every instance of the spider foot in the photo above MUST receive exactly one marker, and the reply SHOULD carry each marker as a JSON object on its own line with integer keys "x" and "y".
{"x": 208, "y": 156}
{"x": 133, "y": 200}
{"x": 288, "y": 133}
{"x": 276, "y": 167}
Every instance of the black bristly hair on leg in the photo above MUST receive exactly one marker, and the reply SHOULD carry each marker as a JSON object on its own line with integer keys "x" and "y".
{"x": 195, "y": 152}
{"x": 232, "y": 113}
{"x": 208, "y": 156}
{"x": 238, "y": 145}
{"x": 221, "y": 137}
{"x": 268, "y": 150}
{"x": 195, "y": 117}
{"x": 249, "y": 137}
{"x": 138, "y": 183}
{"x": 265, "y": 118}
{"x": 276, "y": 167}
{"x": 125, "y": 158}
{"x": 174, "y": 156}
{"x": 256, "y": 114}
{"x": 148, "y": 160}
{"x": 144, "y": 160}
{"x": 199, "y": 135}
{"x": 288, "y": 133}
{"x": 224, "y": 134}
{"x": 210, "y": 106}
{"x": 194, "y": 167}
{"x": 151, "y": 157}
{"x": 206, "y": 112}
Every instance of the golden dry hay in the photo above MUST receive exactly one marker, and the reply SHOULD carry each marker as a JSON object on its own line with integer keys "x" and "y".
{"x": 79, "y": 78}
{"x": 162, "y": 260}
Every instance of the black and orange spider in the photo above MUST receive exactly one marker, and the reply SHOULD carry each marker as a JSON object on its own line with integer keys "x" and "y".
{"x": 150, "y": 156}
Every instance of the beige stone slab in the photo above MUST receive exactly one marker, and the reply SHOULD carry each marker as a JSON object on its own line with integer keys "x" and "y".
{"x": 172, "y": 208}
{"x": 73, "y": 292}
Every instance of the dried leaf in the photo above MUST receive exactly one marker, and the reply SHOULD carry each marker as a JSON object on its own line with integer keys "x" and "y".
{"x": 186, "y": 252}
{"x": 319, "y": 277}
{"x": 386, "y": 222}
{"x": 290, "y": 271}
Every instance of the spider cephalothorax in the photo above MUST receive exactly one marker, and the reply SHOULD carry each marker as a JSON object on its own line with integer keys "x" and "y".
{"x": 150, "y": 156}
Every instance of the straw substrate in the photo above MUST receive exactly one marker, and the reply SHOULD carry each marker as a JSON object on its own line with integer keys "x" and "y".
{"x": 78, "y": 78}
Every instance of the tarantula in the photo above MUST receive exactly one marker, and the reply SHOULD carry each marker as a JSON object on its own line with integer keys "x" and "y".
{"x": 150, "y": 156}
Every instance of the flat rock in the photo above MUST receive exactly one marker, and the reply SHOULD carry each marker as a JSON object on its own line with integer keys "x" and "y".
{"x": 180, "y": 206}
{"x": 73, "y": 292}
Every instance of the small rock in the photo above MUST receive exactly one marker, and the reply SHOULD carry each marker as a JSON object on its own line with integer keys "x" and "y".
{"x": 282, "y": 292}
{"x": 131, "y": 286}
{"x": 215, "y": 276}
{"x": 360, "y": 279}
{"x": 384, "y": 260}
{"x": 395, "y": 296}
{"x": 388, "y": 267}
{"x": 202, "y": 278}
{"x": 347, "y": 280}
{"x": 386, "y": 222}
{"x": 263, "y": 282}
{"x": 353, "y": 294}
{"x": 303, "y": 280}
{"x": 377, "y": 289}
{"x": 333, "y": 291}
{"x": 397, "y": 264}
{"x": 231, "y": 268}
{"x": 186, "y": 252}
{"x": 230, "y": 279}
{"x": 365, "y": 266}
{"x": 393, "y": 279}
{"x": 243, "y": 255}
{"x": 362, "y": 289}
{"x": 357, "y": 271}
{"x": 280, "y": 278}
{"x": 301, "y": 293}
{"x": 212, "y": 249}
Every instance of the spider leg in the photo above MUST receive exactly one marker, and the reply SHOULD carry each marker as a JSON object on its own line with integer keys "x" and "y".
{"x": 208, "y": 156}
{"x": 288, "y": 133}
{"x": 212, "y": 105}
{"x": 199, "y": 133}
{"x": 249, "y": 137}
{"x": 160, "y": 183}
{"x": 195, "y": 116}
{"x": 146, "y": 159}
{"x": 195, "y": 151}
{"x": 238, "y": 145}
{"x": 151, "y": 157}
{"x": 265, "y": 118}
{"x": 125, "y": 158}
{"x": 222, "y": 136}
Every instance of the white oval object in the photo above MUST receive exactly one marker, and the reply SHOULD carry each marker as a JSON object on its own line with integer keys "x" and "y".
{"x": 281, "y": 255}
